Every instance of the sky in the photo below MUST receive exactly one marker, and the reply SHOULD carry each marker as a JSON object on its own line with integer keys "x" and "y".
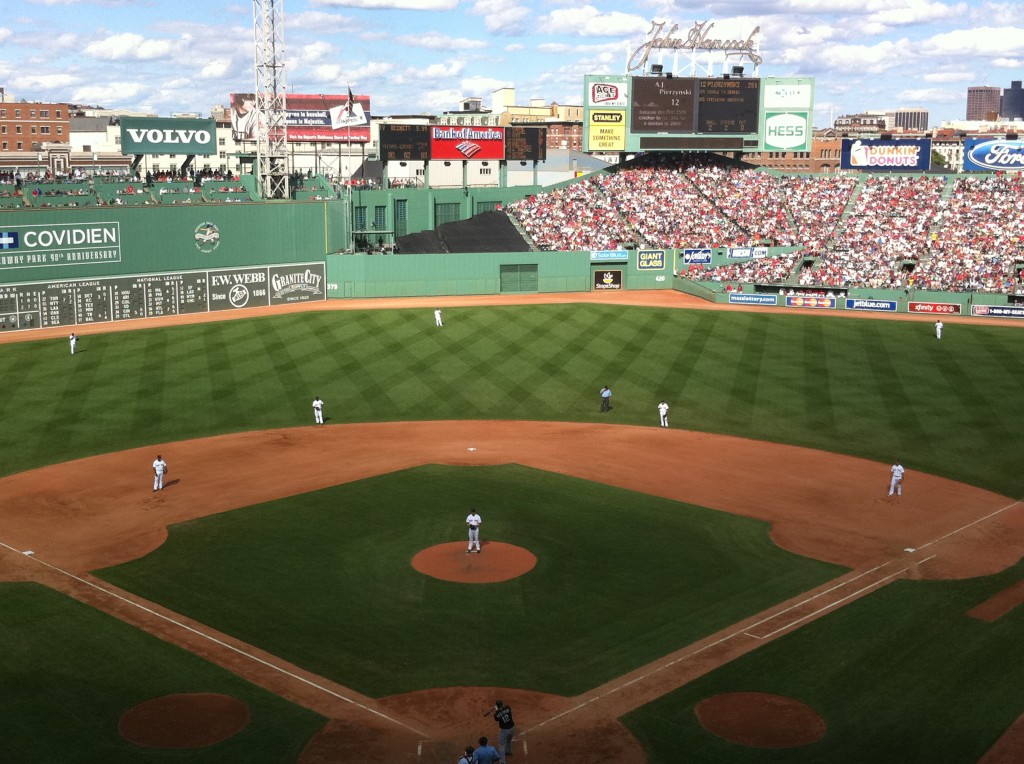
{"x": 424, "y": 56}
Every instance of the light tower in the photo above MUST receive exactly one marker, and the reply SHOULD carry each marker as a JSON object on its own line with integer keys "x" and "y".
{"x": 272, "y": 130}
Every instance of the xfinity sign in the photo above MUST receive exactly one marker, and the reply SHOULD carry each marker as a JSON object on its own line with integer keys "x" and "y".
{"x": 150, "y": 135}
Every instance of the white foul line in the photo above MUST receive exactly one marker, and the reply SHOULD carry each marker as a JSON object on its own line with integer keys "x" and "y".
{"x": 974, "y": 522}
{"x": 831, "y": 605}
{"x": 725, "y": 638}
{"x": 221, "y": 643}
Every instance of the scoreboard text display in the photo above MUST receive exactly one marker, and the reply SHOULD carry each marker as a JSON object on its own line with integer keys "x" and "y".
{"x": 666, "y": 113}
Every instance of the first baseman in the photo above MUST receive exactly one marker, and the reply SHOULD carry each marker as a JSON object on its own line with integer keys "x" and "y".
{"x": 159, "y": 470}
{"x": 896, "y": 484}
{"x": 473, "y": 521}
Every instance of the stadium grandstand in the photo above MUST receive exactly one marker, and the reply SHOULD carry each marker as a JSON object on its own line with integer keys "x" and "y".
{"x": 885, "y": 231}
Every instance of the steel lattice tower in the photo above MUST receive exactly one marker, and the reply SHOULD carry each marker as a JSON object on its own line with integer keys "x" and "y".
{"x": 272, "y": 133}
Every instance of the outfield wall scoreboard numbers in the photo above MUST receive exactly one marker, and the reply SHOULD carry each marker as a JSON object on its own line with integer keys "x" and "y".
{"x": 76, "y": 302}
{"x": 730, "y": 106}
{"x": 404, "y": 142}
{"x": 526, "y": 144}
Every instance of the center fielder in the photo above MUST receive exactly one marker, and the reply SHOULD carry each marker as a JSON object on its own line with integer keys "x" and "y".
{"x": 473, "y": 521}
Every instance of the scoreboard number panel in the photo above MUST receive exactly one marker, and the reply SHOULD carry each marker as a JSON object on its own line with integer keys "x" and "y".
{"x": 728, "y": 106}
{"x": 663, "y": 104}
{"x": 404, "y": 142}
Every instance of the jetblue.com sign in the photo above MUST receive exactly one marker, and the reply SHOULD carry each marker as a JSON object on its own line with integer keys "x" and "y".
{"x": 152, "y": 135}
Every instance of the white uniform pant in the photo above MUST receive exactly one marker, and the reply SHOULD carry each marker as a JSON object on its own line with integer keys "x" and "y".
{"x": 318, "y": 416}
{"x": 895, "y": 485}
{"x": 158, "y": 481}
{"x": 474, "y": 538}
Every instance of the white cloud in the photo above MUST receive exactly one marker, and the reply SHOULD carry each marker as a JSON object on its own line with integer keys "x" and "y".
{"x": 588, "y": 21}
{"x": 953, "y": 76}
{"x": 924, "y": 95}
{"x": 108, "y": 93}
{"x": 318, "y": 22}
{"x": 435, "y": 41}
{"x": 913, "y": 12}
{"x": 435, "y": 71}
{"x": 484, "y": 85}
{"x": 438, "y": 100}
{"x": 397, "y": 5}
{"x": 981, "y": 41}
{"x": 501, "y": 16}
{"x": 130, "y": 46}
{"x": 1008, "y": 63}
{"x": 28, "y": 82}
{"x": 218, "y": 67}
{"x": 5, "y": 34}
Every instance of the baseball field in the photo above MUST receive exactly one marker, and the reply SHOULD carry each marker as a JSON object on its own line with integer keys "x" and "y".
{"x": 737, "y": 587}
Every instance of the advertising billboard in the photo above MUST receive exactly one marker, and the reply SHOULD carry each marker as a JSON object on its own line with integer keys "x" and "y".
{"x": 449, "y": 142}
{"x": 153, "y": 135}
{"x": 993, "y": 154}
{"x": 312, "y": 118}
{"x": 882, "y": 154}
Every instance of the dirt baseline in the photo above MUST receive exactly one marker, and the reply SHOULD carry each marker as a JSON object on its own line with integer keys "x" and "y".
{"x": 100, "y": 511}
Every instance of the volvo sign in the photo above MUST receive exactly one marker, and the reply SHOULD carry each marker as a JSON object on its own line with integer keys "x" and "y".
{"x": 152, "y": 135}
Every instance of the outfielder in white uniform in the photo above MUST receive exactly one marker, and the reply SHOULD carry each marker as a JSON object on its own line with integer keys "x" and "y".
{"x": 473, "y": 521}
{"x": 938, "y": 329}
{"x": 159, "y": 470}
{"x": 663, "y": 413}
{"x": 437, "y": 318}
{"x": 896, "y": 484}
{"x": 318, "y": 410}
{"x": 74, "y": 341}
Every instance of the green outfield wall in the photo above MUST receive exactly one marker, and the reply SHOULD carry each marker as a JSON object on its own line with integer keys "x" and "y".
{"x": 360, "y": 275}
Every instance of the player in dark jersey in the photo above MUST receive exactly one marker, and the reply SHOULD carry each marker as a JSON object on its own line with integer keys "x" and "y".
{"x": 506, "y": 727}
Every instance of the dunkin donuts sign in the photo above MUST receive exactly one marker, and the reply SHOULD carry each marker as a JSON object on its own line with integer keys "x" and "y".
{"x": 449, "y": 142}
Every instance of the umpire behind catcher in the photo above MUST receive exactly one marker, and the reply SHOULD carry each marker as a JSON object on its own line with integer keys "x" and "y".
{"x": 506, "y": 727}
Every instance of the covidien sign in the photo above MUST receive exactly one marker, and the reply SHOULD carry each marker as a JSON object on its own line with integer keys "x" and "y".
{"x": 151, "y": 135}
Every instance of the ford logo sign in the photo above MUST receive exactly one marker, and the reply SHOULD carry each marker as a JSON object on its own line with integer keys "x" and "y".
{"x": 997, "y": 154}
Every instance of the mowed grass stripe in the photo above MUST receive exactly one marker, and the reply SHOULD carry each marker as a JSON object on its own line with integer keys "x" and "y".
{"x": 324, "y": 579}
{"x": 877, "y": 389}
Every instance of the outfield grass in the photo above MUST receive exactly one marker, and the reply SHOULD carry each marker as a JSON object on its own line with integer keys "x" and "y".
{"x": 324, "y": 579}
{"x": 904, "y": 675}
{"x": 70, "y": 673}
{"x": 876, "y": 389}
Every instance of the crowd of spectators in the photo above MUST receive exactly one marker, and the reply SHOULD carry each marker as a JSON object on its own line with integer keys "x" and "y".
{"x": 575, "y": 217}
{"x": 888, "y": 231}
{"x": 978, "y": 242}
{"x": 884, "y": 235}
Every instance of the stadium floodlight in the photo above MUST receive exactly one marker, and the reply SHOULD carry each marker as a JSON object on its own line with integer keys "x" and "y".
{"x": 737, "y": 71}
{"x": 657, "y": 69}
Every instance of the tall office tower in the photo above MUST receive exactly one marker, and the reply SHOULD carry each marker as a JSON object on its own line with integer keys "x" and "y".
{"x": 1013, "y": 102}
{"x": 982, "y": 103}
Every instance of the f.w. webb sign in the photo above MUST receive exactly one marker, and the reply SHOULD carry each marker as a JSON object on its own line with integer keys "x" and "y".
{"x": 152, "y": 135}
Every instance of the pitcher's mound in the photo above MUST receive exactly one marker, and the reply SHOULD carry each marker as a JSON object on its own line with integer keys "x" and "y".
{"x": 497, "y": 562}
{"x": 761, "y": 720}
{"x": 191, "y": 720}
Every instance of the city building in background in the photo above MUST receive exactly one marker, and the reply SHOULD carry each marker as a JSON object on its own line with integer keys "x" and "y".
{"x": 983, "y": 102}
{"x": 1013, "y": 102}
{"x": 907, "y": 120}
